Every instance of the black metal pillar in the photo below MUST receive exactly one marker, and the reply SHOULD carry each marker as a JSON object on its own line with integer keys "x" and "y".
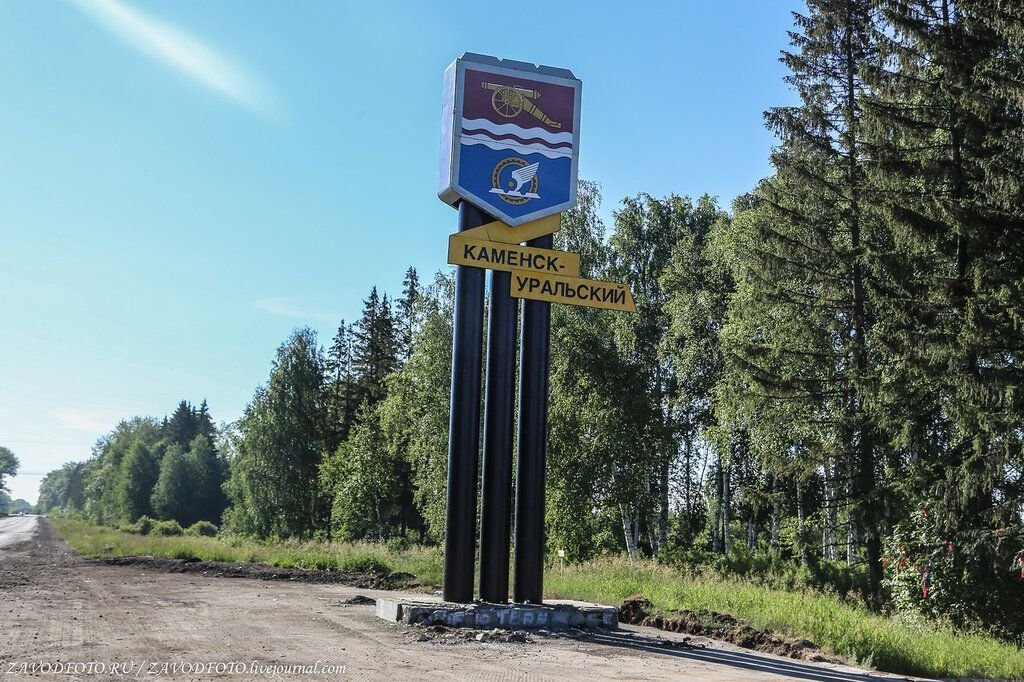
{"x": 464, "y": 424}
{"x": 499, "y": 415}
{"x": 530, "y": 469}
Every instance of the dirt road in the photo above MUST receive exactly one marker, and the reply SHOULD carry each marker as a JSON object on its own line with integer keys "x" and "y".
{"x": 68, "y": 613}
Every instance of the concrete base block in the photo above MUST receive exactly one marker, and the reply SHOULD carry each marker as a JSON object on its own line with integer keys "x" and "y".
{"x": 506, "y": 616}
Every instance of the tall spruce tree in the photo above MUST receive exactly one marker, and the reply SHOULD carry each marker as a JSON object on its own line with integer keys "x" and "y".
{"x": 947, "y": 127}
{"x": 208, "y": 472}
{"x": 204, "y": 423}
{"x": 376, "y": 347}
{"x": 342, "y": 387}
{"x": 405, "y": 319}
{"x": 183, "y": 425}
{"x": 799, "y": 327}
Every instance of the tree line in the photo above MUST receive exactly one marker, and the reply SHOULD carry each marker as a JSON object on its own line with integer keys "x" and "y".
{"x": 167, "y": 469}
{"x": 823, "y": 379}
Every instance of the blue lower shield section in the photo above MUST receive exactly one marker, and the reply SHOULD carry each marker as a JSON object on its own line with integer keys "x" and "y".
{"x": 477, "y": 166}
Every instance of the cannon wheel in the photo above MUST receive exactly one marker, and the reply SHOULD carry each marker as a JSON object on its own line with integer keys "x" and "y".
{"x": 508, "y": 102}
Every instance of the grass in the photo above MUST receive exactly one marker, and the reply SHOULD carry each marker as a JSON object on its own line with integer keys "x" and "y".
{"x": 98, "y": 541}
{"x": 871, "y": 640}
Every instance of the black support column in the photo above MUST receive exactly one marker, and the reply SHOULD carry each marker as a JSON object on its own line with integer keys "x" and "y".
{"x": 530, "y": 469}
{"x": 499, "y": 417}
{"x": 464, "y": 424}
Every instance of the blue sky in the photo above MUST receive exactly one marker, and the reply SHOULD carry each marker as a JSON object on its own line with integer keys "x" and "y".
{"x": 183, "y": 183}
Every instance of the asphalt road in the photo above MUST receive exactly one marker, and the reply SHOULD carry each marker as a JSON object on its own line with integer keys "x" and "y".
{"x": 15, "y": 529}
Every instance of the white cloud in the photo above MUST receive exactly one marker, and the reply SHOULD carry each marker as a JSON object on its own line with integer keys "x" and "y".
{"x": 181, "y": 51}
{"x": 290, "y": 307}
{"x": 82, "y": 421}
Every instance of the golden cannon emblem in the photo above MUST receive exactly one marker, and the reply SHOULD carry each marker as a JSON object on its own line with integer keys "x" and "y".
{"x": 510, "y": 100}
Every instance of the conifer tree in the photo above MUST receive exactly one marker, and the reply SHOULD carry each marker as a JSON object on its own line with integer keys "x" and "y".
{"x": 183, "y": 425}
{"x": 414, "y": 415}
{"x": 947, "y": 126}
{"x": 204, "y": 424}
{"x": 798, "y": 335}
{"x": 207, "y": 473}
{"x": 406, "y": 317}
{"x": 342, "y": 387}
{"x": 376, "y": 348}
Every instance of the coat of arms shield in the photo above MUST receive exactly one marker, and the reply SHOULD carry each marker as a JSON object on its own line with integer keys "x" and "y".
{"x": 510, "y": 137}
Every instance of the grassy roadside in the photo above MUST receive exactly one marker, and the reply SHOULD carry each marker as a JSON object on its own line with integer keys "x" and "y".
{"x": 99, "y": 541}
{"x": 871, "y": 640}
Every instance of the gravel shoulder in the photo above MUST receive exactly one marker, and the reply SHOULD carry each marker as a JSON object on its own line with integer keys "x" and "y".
{"x": 57, "y": 607}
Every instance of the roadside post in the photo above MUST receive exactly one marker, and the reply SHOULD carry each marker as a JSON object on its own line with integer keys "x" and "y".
{"x": 509, "y": 162}
{"x": 464, "y": 423}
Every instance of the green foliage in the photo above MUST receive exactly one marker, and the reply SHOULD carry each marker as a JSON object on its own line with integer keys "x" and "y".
{"x": 182, "y": 426}
{"x": 948, "y": 125}
{"x": 280, "y": 443}
{"x": 201, "y": 529}
{"x": 173, "y": 491}
{"x": 974, "y": 587}
{"x": 414, "y": 416}
{"x": 406, "y": 314}
{"x": 841, "y": 628}
{"x": 207, "y": 472}
{"x": 342, "y": 386}
{"x": 8, "y": 466}
{"x": 833, "y": 365}
{"x": 359, "y": 478}
{"x": 142, "y": 526}
{"x": 167, "y": 528}
{"x": 19, "y": 506}
{"x": 92, "y": 541}
{"x": 106, "y": 486}
{"x": 63, "y": 489}
{"x": 137, "y": 475}
{"x": 375, "y": 348}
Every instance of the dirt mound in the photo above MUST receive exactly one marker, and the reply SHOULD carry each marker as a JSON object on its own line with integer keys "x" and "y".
{"x": 223, "y": 569}
{"x": 638, "y": 610}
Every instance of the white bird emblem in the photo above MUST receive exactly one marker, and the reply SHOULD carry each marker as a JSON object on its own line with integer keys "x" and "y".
{"x": 524, "y": 175}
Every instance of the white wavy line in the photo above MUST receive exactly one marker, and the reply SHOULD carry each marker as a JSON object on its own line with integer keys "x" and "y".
{"x": 506, "y": 128}
{"x": 524, "y": 148}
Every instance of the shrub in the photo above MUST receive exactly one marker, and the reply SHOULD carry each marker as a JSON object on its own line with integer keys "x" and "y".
{"x": 202, "y": 529}
{"x": 167, "y": 528}
{"x": 364, "y": 564}
{"x": 143, "y": 526}
{"x": 397, "y": 544}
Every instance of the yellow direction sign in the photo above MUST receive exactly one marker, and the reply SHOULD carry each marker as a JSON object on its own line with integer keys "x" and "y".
{"x": 541, "y": 286}
{"x": 508, "y": 257}
{"x": 506, "y": 234}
